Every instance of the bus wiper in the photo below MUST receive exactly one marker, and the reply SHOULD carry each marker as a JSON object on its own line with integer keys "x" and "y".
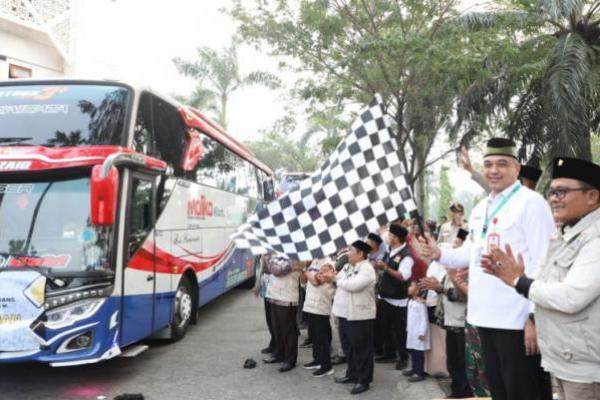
{"x": 55, "y": 281}
{"x": 14, "y": 140}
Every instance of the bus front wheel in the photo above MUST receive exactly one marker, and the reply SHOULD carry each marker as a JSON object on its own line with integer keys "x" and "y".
{"x": 183, "y": 307}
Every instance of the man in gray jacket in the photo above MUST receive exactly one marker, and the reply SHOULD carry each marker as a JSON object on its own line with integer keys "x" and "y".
{"x": 566, "y": 290}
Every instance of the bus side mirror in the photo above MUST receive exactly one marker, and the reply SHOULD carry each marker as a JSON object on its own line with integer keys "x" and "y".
{"x": 193, "y": 150}
{"x": 103, "y": 197}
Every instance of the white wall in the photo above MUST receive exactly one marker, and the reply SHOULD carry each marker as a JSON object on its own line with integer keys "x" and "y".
{"x": 43, "y": 60}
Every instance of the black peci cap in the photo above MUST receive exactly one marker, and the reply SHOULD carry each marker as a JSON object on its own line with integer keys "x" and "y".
{"x": 529, "y": 172}
{"x": 374, "y": 237}
{"x": 399, "y": 231}
{"x": 362, "y": 246}
{"x": 576, "y": 168}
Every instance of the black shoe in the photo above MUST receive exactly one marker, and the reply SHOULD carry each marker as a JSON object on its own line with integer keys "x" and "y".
{"x": 266, "y": 350}
{"x": 401, "y": 364}
{"x": 337, "y": 360}
{"x": 272, "y": 360}
{"x": 286, "y": 367}
{"x": 408, "y": 372}
{"x": 416, "y": 378}
{"x": 323, "y": 372}
{"x": 343, "y": 379}
{"x": 359, "y": 388}
{"x": 311, "y": 365}
{"x": 385, "y": 359}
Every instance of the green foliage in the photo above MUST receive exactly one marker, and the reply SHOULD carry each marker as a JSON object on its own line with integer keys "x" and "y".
{"x": 279, "y": 151}
{"x": 347, "y": 50}
{"x": 445, "y": 193}
{"x": 218, "y": 75}
{"x": 569, "y": 67}
{"x": 556, "y": 91}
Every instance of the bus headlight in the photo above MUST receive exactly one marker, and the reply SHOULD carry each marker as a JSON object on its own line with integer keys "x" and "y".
{"x": 67, "y": 315}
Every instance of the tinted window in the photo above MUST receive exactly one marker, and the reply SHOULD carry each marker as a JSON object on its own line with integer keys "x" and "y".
{"x": 140, "y": 218}
{"x": 62, "y": 115}
{"x": 169, "y": 134}
{"x": 213, "y": 168}
{"x": 142, "y": 131}
{"x": 221, "y": 168}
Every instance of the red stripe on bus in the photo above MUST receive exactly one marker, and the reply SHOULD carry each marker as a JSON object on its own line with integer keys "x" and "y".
{"x": 163, "y": 262}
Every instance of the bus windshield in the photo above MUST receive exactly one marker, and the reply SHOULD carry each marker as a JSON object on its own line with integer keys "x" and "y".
{"x": 47, "y": 225}
{"x": 62, "y": 115}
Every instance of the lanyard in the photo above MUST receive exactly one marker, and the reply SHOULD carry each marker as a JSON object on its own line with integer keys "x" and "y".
{"x": 497, "y": 209}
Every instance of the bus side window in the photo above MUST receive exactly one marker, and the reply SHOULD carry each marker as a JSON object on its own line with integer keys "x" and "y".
{"x": 142, "y": 131}
{"x": 212, "y": 170}
{"x": 140, "y": 214}
{"x": 252, "y": 176}
{"x": 169, "y": 134}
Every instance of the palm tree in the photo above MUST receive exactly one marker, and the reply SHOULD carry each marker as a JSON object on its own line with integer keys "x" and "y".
{"x": 553, "y": 110}
{"x": 218, "y": 75}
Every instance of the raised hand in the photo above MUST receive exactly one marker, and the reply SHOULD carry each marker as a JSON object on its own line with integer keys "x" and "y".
{"x": 429, "y": 283}
{"x": 504, "y": 265}
{"x": 380, "y": 265}
{"x": 462, "y": 275}
{"x": 428, "y": 248}
{"x": 327, "y": 274}
{"x": 465, "y": 160}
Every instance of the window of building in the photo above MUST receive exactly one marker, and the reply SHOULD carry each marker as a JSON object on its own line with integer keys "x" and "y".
{"x": 17, "y": 71}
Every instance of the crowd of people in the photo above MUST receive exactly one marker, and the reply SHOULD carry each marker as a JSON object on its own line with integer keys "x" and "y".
{"x": 507, "y": 304}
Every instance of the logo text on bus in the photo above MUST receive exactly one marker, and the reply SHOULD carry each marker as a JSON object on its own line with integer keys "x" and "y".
{"x": 14, "y": 165}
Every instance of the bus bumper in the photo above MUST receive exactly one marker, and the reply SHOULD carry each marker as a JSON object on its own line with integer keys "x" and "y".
{"x": 85, "y": 341}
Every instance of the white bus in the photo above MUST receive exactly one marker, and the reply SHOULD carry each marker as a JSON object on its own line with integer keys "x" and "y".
{"x": 116, "y": 210}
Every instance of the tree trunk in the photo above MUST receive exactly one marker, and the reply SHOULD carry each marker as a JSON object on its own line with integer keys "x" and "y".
{"x": 421, "y": 180}
{"x": 586, "y": 150}
{"x": 223, "y": 121}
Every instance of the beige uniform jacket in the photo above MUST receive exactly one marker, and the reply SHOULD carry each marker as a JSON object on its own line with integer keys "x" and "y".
{"x": 567, "y": 297}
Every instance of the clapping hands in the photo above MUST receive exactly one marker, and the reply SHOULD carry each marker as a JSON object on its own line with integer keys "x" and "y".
{"x": 503, "y": 264}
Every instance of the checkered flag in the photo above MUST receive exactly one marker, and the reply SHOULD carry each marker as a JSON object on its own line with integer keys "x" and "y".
{"x": 360, "y": 187}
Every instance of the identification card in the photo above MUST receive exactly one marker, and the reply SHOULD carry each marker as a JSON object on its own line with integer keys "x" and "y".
{"x": 493, "y": 241}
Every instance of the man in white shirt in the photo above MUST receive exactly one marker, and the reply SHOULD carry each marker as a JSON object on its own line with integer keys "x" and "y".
{"x": 566, "y": 288}
{"x": 511, "y": 214}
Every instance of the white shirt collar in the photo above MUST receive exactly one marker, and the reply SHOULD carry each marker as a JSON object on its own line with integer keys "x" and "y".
{"x": 492, "y": 198}
{"x": 397, "y": 249}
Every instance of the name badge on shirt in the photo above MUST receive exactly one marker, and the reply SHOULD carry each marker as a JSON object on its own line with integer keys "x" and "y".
{"x": 493, "y": 241}
{"x": 397, "y": 260}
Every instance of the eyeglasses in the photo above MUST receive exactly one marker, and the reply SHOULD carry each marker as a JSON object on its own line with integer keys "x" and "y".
{"x": 561, "y": 192}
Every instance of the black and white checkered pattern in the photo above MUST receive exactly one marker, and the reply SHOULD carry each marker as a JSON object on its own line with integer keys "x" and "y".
{"x": 360, "y": 187}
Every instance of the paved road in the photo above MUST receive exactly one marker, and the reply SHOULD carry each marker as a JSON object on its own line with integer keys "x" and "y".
{"x": 205, "y": 365}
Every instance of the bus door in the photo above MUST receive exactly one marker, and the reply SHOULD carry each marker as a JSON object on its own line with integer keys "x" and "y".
{"x": 139, "y": 275}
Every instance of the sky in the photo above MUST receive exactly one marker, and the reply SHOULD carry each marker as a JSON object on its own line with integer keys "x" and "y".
{"x": 135, "y": 41}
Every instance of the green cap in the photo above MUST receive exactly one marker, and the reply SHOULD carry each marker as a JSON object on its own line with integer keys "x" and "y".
{"x": 501, "y": 147}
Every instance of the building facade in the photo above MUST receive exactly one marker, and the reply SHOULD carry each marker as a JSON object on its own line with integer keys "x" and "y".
{"x": 36, "y": 38}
